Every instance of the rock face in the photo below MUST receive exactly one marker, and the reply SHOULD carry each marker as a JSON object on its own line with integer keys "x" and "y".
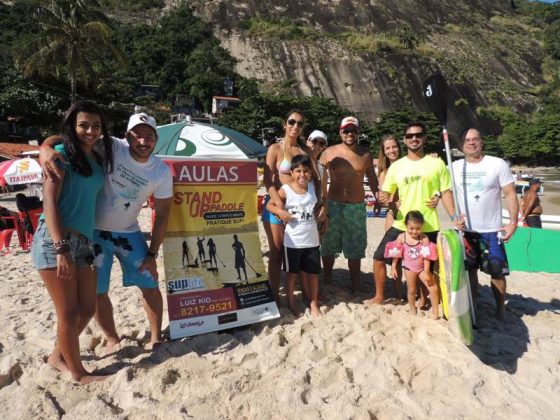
{"x": 372, "y": 56}
{"x": 351, "y": 80}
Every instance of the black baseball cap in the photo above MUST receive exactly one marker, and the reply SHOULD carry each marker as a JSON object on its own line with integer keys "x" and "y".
{"x": 535, "y": 181}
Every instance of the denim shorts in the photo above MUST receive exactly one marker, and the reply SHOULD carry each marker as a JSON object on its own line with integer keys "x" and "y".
{"x": 42, "y": 249}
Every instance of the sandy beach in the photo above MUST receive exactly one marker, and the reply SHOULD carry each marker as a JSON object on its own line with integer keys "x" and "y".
{"x": 356, "y": 362}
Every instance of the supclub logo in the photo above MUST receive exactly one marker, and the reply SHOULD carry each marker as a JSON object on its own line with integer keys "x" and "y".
{"x": 188, "y": 283}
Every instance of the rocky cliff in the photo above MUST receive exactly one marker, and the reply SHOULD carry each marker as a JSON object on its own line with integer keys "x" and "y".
{"x": 372, "y": 56}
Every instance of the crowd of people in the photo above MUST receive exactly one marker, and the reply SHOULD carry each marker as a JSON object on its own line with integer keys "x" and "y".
{"x": 410, "y": 186}
{"x": 96, "y": 185}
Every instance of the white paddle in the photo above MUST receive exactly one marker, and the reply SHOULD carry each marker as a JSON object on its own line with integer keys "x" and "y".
{"x": 435, "y": 93}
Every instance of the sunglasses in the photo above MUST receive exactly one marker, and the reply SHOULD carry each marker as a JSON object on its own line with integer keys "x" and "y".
{"x": 148, "y": 137}
{"x": 410, "y": 136}
{"x": 292, "y": 122}
{"x": 321, "y": 142}
{"x": 349, "y": 130}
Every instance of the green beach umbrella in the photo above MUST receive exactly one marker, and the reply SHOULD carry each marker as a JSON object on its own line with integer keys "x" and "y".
{"x": 205, "y": 141}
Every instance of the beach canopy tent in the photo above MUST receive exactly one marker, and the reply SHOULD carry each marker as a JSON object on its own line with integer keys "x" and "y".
{"x": 205, "y": 141}
{"x": 20, "y": 171}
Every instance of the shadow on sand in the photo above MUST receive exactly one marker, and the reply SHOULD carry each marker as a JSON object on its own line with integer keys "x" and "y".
{"x": 340, "y": 289}
{"x": 500, "y": 344}
{"x": 211, "y": 343}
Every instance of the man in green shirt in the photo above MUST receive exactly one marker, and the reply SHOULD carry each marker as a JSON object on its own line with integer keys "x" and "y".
{"x": 418, "y": 178}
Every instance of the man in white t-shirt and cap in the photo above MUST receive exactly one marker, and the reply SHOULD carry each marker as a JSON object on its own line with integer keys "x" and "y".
{"x": 480, "y": 181}
{"x": 136, "y": 176}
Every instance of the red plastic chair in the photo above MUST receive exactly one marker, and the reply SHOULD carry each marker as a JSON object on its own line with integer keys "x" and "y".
{"x": 29, "y": 221}
{"x": 6, "y": 234}
{"x": 6, "y": 239}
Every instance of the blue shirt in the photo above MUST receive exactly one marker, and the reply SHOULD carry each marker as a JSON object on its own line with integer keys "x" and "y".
{"x": 78, "y": 196}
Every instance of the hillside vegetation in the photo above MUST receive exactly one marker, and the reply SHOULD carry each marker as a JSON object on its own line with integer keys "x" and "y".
{"x": 348, "y": 56}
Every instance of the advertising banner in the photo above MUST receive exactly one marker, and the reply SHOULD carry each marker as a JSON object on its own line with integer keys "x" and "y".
{"x": 214, "y": 270}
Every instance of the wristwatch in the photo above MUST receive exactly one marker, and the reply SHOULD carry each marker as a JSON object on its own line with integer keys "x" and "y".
{"x": 154, "y": 255}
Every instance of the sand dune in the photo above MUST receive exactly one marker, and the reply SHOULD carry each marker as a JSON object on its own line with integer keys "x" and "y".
{"x": 356, "y": 362}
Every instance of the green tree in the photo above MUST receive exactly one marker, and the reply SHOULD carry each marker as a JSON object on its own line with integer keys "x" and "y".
{"x": 179, "y": 53}
{"x": 16, "y": 23}
{"x": 533, "y": 140}
{"x": 265, "y": 110}
{"x": 207, "y": 67}
{"x": 408, "y": 37}
{"x": 133, "y": 5}
{"x": 394, "y": 122}
{"x": 72, "y": 36}
{"x": 20, "y": 97}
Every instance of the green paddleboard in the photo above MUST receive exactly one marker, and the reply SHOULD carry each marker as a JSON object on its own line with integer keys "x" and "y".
{"x": 454, "y": 285}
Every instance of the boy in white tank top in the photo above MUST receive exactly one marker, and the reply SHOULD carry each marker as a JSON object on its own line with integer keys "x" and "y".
{"x": 301, "y": 238}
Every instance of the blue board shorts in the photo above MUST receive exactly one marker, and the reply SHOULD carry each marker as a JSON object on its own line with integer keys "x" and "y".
{"x": 268, "y": 217}
{"x": 346, "y": 230}
{"x": 130, "y": 248}
{"x": 485, "y": 252}
{"x": 42, "y": 249}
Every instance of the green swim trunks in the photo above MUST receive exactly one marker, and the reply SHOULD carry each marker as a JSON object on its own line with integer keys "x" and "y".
{"x": 346, "y": 230}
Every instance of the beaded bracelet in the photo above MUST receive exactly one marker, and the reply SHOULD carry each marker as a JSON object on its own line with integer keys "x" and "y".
{"x": 61, "y": 242}
{"x": 62, "y": 248}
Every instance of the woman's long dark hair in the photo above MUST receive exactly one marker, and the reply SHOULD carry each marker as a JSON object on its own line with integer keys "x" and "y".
{"x": 76, "y": 156}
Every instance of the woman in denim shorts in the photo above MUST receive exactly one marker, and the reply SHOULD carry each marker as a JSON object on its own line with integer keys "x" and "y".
{"x": 62, "y": 244}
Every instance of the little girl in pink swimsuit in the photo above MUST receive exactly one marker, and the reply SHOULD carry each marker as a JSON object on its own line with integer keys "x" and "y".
{"x": 416, "y": 252}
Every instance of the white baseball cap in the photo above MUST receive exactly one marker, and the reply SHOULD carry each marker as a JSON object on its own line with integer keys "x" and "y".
{"x": 141, "y": 118}
{"x": 349, "y": 121}
{"x": 318, "y": 134}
